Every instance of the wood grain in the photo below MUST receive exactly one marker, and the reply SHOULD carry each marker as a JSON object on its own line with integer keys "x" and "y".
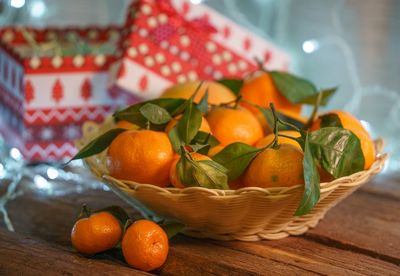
{"x": 315, "y": 257}
{"x": 365, "y": 223}
{"x": 27, "y": 256}
{"x": 360, "y": 236}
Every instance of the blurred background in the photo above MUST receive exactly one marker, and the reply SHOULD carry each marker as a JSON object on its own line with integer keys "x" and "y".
{"x": 349, "y": 43}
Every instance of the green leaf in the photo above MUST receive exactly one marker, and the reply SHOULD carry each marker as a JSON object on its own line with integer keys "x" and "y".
{"x": 295, "y": 89}
{"x": 200, "y": 148}
{"x": 326, "y": 96}
{"x": 205, "y": 138}
{"x": 172, "y": 228}
{"x": 184, "y": 170}
{"x": 337, "y": 150}
{"x": 204, "y": 173}
{"x": 267, "y": 113}
{"x": 155, "y": 114}
{"x": 175, "y": 140}
{"x": 269, "y": 117}
{"x": 233, "y": 84}
{"x": 132, "y": 113}
{"x": 99, "y": 144}
{"x": 117, "y": 212}
{"x": 330, "y": 120}
{"x": 311, "y": 192}
{"x": 203, "y": 104}
{"x": 236, "y": 157}
{"x": 210, "y": 174}
{"x": 190, "y": 123}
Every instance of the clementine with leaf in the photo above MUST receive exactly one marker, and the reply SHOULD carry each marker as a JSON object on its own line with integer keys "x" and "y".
{"x": 261, "y": 90}
{"x": 339, "y": 118}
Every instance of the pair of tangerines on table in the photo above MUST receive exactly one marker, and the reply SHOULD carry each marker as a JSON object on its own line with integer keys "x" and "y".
{"x": 147, "y": 156}
{"x": 144, "y": 243}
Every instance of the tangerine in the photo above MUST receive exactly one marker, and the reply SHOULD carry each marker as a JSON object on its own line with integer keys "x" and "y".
{"x": 141, "y": 155}
{"x": 145, "y": 245}
{"x": 97, "y": 233}
{"x": 230, "y": 125}
{"x": 351, "y": 123}
{"x": 281, "y": 167}
{"x": 260, "y": 89}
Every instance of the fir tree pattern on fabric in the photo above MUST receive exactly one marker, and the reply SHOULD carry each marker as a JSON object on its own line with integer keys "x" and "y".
{"x": 86, "y": 90}
{"x": 58, "y": 91}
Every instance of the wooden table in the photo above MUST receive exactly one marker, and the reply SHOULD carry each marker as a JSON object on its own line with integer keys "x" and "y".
{"x": 360, "y": 236}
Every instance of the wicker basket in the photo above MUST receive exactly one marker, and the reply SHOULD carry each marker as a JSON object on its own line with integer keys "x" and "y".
{"x": 247, "y": 214}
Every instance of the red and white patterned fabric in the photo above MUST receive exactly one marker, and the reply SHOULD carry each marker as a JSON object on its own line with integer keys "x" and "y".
{"x": 171, "y": 41}
{"x": 44, "y": 101}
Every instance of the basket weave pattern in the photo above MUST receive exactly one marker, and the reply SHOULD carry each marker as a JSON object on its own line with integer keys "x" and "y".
{"x": 247, "y": 214}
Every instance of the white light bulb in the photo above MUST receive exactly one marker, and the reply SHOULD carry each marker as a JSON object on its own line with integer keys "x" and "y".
{"x": 52, "y": 173}
{"x": 310, "y": 46}
{"x": 15, "y": 154}
{"x": 38, "y": 8}
{"x": 2, "y": 171}
{"x": 196, "y": 2}
{"x": 17, "y": 3}
{"x": 41, "y": 182}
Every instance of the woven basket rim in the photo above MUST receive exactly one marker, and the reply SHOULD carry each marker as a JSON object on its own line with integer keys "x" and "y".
{"x": 275, "y": 191}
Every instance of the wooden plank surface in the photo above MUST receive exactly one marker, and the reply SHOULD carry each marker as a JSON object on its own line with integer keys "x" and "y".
{"x": 360, "y": 236}
{"x": 365, "y": 223}
{"x": 28, "y": 256}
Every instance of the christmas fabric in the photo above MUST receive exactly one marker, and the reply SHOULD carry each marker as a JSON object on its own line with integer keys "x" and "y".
{"x": 166, "y": 42}
{"x": 46, "y": 94}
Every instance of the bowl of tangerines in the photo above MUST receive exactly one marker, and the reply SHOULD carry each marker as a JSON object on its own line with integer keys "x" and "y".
{"x": 233, "y": 159}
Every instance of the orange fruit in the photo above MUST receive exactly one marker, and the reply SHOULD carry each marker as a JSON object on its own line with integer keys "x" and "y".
{"x": 173, "y": 176}
{"x": 126, "y": 125}
{"x": 282, "y": 167}
{"x": 281, "y": 140}
{"x": 145, "y": 245}
{"x": 97, "y": 233}
{"x": 143, "y": 156}
{"x": 351, "y": 123}
{"x": 347, "y": 120}
{"x": 217, "y": 93}
{"x": 260, "y": 89}
{"x": 205, "y": 127}
{"x": 230, "y": 125}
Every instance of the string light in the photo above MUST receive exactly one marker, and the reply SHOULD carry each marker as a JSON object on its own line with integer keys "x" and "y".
{"x": 196, "y": 2}
{"x": 38, "y": 9}
{"x": 17, "y": 3}
{"x": 310, "y": 46}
